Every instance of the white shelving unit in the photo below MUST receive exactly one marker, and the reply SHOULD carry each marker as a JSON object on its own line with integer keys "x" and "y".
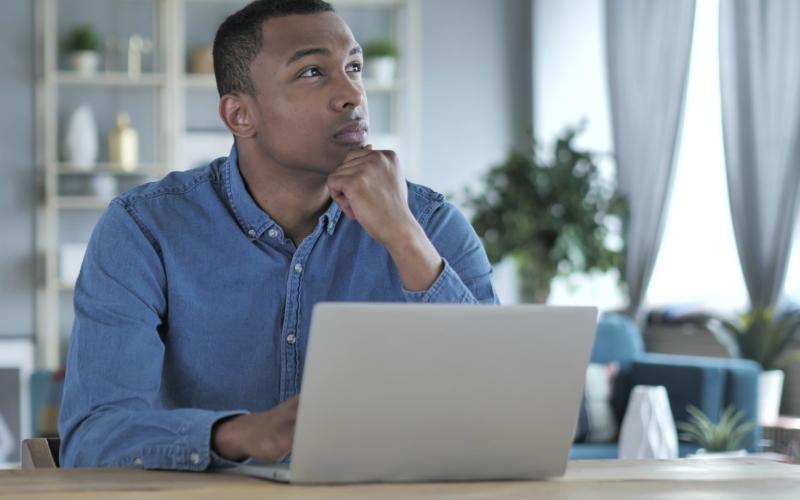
{"x": 170, "y": 86}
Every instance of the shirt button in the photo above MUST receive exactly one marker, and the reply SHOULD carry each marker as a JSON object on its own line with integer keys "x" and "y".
{"x": 273, "y": 233}
{"x": 251, "y": 233}
{"x": 194, "y": 458}
{"x": 298, "y": 268}
{"x": 138, "y": 462}
{"x": 291, "y": 339}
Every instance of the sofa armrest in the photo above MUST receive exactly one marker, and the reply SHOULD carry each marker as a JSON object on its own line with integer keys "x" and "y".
{"x": 711, "y": 384}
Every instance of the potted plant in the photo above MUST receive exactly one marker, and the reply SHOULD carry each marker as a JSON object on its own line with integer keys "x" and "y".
{"x": 380, "y": 60}
{"x": 765, "y": 337}
{"x": 723, "y": 438}
{"x": 551, "y": 216}
{"x": 81, "y": 45}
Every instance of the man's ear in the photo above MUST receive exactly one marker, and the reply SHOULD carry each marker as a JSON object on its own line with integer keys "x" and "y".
{"x": 238, "y": 113}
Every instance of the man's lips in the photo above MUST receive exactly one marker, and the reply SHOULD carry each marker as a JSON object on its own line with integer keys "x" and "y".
{"x": 353, "y": 133}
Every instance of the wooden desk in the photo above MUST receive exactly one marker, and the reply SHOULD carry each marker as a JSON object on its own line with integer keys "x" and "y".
{"x": 744, "y": 478}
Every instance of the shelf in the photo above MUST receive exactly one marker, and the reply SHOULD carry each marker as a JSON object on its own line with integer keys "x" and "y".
{"x": 207, "y": 81}
{"x": 142, "y": 170}
{"x": 82, "y": 202}
{"x": 111, "y": 79}
{"x": 200, "y": 81}
{"x": 66, "y": 287}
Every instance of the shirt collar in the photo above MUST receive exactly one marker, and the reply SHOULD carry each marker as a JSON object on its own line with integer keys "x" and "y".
{"x": 251, "y": 218}
{"x": 331, "y": 217}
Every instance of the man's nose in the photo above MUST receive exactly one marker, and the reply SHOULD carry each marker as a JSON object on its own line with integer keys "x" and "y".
{"x": 349, "y": 93}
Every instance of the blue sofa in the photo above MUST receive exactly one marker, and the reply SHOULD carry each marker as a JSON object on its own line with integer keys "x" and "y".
{"x": 710, "y": 384}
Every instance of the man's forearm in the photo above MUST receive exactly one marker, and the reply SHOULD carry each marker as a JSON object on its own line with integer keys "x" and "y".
{"x": 417, "y": 260}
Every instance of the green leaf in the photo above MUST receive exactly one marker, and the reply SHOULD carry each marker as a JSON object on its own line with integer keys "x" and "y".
{"x": 726, "y": 435}
{"x": 550, "y": 213}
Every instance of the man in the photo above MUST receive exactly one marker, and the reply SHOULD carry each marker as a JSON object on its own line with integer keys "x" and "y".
{"x": 194, "y": 300}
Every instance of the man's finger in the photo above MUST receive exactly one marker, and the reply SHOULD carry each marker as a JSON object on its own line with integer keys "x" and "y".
{"x": 341, "y": 200}
{"x": 357, "y": 153}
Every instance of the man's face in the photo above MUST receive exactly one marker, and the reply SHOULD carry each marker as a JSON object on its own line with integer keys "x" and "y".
{"x": 311, "y": 108}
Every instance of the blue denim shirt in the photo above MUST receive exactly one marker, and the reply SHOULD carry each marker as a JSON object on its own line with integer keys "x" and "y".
{"x": 192, "y": 305}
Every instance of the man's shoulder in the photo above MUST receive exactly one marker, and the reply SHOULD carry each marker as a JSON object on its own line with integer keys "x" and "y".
{"x": 174, "y": 184}
{"x": 423, "y": 201}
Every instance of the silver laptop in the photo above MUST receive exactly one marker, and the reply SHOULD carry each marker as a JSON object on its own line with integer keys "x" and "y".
{"x": 419, "y": 392}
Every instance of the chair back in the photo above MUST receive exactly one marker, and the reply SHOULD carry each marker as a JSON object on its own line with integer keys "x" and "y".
{"x": 617, "y": 340}
{"x": 40, "y": 453}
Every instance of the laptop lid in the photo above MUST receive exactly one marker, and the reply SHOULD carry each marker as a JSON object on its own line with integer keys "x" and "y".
{"x": 415, "y": 392}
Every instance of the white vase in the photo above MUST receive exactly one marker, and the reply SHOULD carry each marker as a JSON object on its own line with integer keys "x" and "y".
{"x": 7, "y": 441}
{"x": 80, "y": 139}
{"x": 648, "y": 429}
{"x": 382, "y": 70}
{"x": 770, "y": 389}
{"x": 84, "y": 62}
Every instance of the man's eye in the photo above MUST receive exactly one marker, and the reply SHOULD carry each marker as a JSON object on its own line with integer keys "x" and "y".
{"x": 310, "y": 73}
{"x": 354, "y": 67}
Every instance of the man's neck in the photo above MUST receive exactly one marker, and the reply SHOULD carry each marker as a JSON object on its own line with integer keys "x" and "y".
{"x": 294, "y": 199}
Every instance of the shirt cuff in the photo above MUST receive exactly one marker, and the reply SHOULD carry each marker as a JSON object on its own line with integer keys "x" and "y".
{"x": 447, "y": 288}
{"x": 191, "y": 448}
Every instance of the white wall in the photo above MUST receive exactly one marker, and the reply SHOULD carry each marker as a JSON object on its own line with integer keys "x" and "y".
{"x": 18, "y": 188}
{"x": 569, "y": 64}
{"x": 476, "y": 81}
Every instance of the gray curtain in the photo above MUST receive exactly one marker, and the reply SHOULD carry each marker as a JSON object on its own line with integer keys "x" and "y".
{"x": 760, "y": 86}
{"x": 648, "y": 45}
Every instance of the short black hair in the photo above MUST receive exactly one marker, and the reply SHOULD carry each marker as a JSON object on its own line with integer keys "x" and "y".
{"x": 238, "y": 40}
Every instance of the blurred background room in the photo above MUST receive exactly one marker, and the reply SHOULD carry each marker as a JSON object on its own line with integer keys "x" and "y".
{"x": 636, "y": 155}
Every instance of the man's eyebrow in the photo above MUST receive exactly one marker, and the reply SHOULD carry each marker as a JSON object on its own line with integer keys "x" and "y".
{"x": 317, "y": 51}
{"x": 307, "y": 52}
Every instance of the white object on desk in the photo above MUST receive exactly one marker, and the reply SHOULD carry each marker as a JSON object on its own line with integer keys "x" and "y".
{"x": 648, "y": 429}
{"x": 770, "y": 390}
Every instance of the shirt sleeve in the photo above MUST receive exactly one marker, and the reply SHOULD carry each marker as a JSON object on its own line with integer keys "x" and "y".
{"x": 111, "y": 413}
{"x": 466, "y": 277}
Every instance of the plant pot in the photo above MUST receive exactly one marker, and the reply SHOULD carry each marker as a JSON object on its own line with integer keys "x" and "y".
{"x": 85, "y": 62}
{"x": 382, "y": 70}
{"x": 703, "y": 454}
{"x": 770, "y": 389}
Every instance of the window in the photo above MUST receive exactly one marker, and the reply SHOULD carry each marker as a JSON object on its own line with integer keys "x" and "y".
{"x": 792, "y": 285}
{"x": 698, "y": 261}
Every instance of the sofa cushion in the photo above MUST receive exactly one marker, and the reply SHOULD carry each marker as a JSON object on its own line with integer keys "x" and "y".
{"x": 589, "y": 451}
{"x": 617, "y": 340}
{"x": 597, "y": 422}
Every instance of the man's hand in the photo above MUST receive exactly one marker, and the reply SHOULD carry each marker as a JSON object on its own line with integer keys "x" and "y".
{"x": 370, "y": 188}
{"x": 265, "y": 436}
